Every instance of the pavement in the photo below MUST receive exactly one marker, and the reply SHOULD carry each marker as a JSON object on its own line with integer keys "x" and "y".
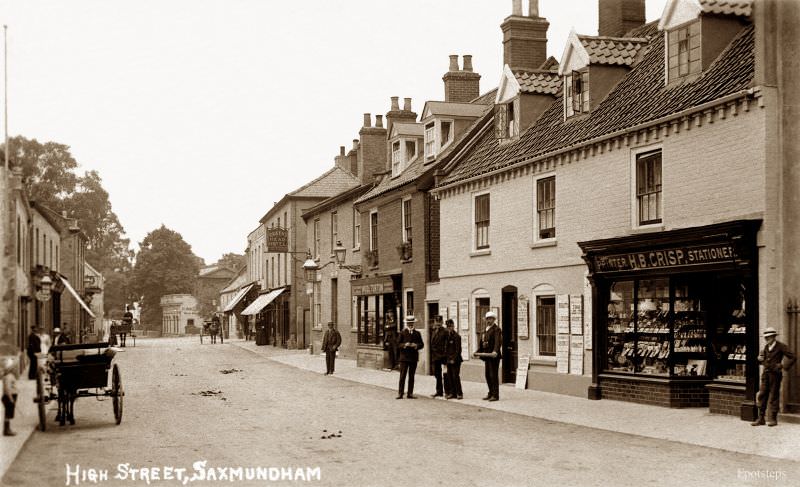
{"x": 694, "y": 426}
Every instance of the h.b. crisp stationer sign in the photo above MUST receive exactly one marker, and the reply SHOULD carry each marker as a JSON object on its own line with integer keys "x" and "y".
{"x": 666, "y": 258}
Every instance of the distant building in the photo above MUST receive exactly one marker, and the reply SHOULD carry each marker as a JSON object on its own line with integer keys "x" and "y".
{"x": 179, "y": 315}
{"x": 210, "y": 281}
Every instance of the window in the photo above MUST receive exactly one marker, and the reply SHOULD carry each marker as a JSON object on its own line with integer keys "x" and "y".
{"x": 546, "y": 207}
{"x": 445, "y": 128}
{"x": 409, "y": 302}
{"x": 373, "y": 230}
{"x": 316, "y": 238}
{"x": 356, "y": 228}
{"x": 684, "y": 52}
{"x": 317, "y": 305}
{"x": 397, "y": 159}
{"x": 648, "y": 187}
{"x": 546, "y": 325}
{"x": 430, "y": 139}
{"x": 334, "y": 229}
{"x": 407, "y": 220}
{"x": 279, "y": 270}
{"x": 482, "y": 221}
{"x": 506, "y": 121}
{"x": 577, "y": 92}
{"x": 481, "y": 308}
{"x": 411, "y": 150}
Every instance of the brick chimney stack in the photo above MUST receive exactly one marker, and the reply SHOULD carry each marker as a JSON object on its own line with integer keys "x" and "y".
{"x": 352, "y": 157}
{"x": 524, "y": 38}
{"x": 371, "y": 149}
{"x": 461, "y": 85}
{"x": 395, "y": 115}
{"x": 617, "y": 17}
{"x": 342, "y": 161}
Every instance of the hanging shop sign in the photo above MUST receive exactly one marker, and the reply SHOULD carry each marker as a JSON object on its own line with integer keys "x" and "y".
{"x": 277, "y": 240}
{"x": 684, "y": 256}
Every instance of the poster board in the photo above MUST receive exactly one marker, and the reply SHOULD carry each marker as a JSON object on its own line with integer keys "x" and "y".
{"x": 576, "y": 314}
{"x": 562, "y": 353}
{"x": 562, "y": 313}
{"x": 452, "y": 312}
{"x": 523, "y": 318}
{"x": 587, "y": 313}
{"x": 463, "y": 314}
{"x": 576, "y": 355}
{"x": 522, "y": 372}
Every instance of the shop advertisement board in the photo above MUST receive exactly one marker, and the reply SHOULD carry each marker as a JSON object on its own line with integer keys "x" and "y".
{"x": 576, "y": 314}
{"x": 452, "y": 312}
{"x": 522, "y": 372}
{"x": 562, "y": 313}
{"x": 463, "y": 314}
{"x": 522, "y": 317}
{"x": 587, "y": 313}
{"x": 576, "y": 355}
{"x": 562, "y": 353}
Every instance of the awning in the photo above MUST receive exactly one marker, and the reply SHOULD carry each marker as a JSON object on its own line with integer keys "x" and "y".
{"x": 262, "y": 301}
{"x": 75, "y": 295}
{"x": 237, "y": 298}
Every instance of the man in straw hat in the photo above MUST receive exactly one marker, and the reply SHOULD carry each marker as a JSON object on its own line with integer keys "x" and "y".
{"x": 409, "y": 344}
{"x": 490, "y": 352}
{"x": 775, "y": 357}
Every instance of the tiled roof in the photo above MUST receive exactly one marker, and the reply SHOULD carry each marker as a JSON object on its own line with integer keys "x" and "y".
{"x": 486, "y": 98}
{"x": 546, "y": 82}
{"x": 328, "y": 184}
{"x": 639, "y": 98}
{"x": 612, "y": 50}
{"x": 727, "y": 7}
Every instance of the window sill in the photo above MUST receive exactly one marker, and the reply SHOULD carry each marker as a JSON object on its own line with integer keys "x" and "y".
{"x": 356, "y": 249}
{"x": 544, "y": 243}
{"x": 657, "y": 227}
{"x": 548, "y": 361}
{"x": 479, "y": 253}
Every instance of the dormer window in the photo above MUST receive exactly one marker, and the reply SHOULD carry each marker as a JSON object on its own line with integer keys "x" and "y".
{"x": 446, "y": 128}
{"x": 403, "y": 152}
{"x": 576, "y": 88}
{"x": 438, "y": 134}
{"x": 430, "y": 139}
{"x": 684, "y": 52}
{"x": 506, "y": 120}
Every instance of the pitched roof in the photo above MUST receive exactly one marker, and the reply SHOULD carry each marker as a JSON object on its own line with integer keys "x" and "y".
{"x": 639, "y": 98}
{"x": 621, "y": 51}
{"x": 408, "y": 129}
{"x": 727, "y": 7}
{"x": 327, "y": 184}
{"x": 487, "y": 98}
{"x": 545, "y": 82}
{"x": 453, "y": 108}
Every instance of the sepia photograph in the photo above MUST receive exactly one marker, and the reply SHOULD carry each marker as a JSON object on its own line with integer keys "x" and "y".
{"x": 375, "y": 243}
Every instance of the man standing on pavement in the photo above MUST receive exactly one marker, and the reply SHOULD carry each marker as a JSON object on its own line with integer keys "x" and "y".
{"x": 409, "y": 343}
{"x": 775, "y": 357}
{"x": 453, "y": 358}
{"x": 330, "y": 344}
{"x": 438, "y": 353}
{"x": 490, "y": 353}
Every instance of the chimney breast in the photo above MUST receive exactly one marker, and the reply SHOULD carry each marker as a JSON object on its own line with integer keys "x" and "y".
{"x": 407, "y": 104}
{"x": 461, "y": 86}
{"x": 525, "y": 38}
{"x": 617, "y": 17}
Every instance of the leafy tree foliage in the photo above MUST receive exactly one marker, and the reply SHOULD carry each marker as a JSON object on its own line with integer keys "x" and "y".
{"x": 164, "y": 265}
{"x": 232, "y": 261}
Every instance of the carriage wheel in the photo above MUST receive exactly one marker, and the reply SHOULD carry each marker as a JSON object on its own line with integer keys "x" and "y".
{"x": 117, "y": 392}
{"x": 41, "y": 400}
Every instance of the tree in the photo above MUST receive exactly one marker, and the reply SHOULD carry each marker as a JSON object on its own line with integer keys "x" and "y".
{"x": 232, "y": 261}
{"x": 164, "y": 265}
{"x": 47, "y": 169}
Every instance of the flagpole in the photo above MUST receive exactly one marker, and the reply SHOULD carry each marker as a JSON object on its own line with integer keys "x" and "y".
{"x": 5, "y": 89}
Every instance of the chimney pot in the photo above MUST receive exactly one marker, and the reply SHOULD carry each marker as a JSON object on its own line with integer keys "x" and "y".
{"x": 533, "y": 8}
{"x": 395, "y": 104}
{"x": 468, "y": 62}
{"x": 516, "y": 8}
{"x": 453, "y": 62}
{"x": 367, "y": 120}
{"x": 407, "y": 104}
{"x": 355, "y": 144}
{"x": 341, "y": 150}
{"x": 379, "y": 121}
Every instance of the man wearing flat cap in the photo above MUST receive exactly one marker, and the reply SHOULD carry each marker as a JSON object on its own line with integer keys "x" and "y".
{"x": 490, "y": 352}
{"x": 775, "y": 357}
{"x": 409, "y": 344}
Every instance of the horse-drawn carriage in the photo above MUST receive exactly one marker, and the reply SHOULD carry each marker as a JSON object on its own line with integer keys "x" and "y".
{"x": 211, "y": 328}
{"x": 73, "y": 371}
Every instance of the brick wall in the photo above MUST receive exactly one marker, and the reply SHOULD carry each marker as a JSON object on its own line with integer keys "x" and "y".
{"x": 461, "y": 86}
{"x": 616, "y": 17}
{"x": 524, "y": 41}
{"x": 725, "y": 400}
{"x": 675, "y": 394}
{"x": 432, "y": 238}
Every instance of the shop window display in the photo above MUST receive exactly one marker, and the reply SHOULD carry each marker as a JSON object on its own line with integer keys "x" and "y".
{"x": 730, "y": 339}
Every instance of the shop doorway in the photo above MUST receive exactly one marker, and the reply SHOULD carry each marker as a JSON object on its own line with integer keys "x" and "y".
{"x": 509, "y": 325}
{"x": 793, "y": 341}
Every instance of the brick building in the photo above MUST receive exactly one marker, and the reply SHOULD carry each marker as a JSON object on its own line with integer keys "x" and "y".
{"x": 603, "y": 208}
{"x": 210, "y": 281}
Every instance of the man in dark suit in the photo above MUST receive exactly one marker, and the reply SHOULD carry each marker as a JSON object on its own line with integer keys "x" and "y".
{"x": 775, "y": 357}
{"x": 390, "y": 340}
{"x": 490, "y": 352}
{"x": 409, "y": 344}
{"x": 331, "y": 342}
{"x": 453, "y": 359}
{"x": 34, "y": 347}
{"x": 438, "y": 354}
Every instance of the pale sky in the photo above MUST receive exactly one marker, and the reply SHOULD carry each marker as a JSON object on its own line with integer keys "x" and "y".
{"x": 200, "y": 114}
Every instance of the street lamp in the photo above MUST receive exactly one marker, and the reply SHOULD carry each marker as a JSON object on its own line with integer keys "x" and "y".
{"x": 340, "y": 252}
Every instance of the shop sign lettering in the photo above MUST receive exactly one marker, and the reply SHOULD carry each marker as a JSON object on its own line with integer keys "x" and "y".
{"x": 665, "y": 258}
{"x": 372, "y": 287}
{"x": 277, "y": 240}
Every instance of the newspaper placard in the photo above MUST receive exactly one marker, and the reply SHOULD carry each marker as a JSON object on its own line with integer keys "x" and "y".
{"x": 587, "y": 313}
{"x": 576, "y": 355}
{"x": 562, "y": 353}
{"x": 562, "y": 313}
{"x": 452, "y": 312}
{"x": 463, "y": 314}
{"x": 576, "y": 314}
{"x": 522, "y": 372}
{"x": 522, "y": 317}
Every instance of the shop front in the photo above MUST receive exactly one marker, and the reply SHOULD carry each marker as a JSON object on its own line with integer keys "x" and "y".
{"x": 676, "y": 317}
{"x": 377, "y": 305}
